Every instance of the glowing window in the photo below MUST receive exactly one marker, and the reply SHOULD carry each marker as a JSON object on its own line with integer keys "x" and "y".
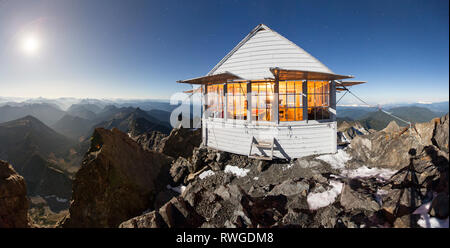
{"x": 215, "y": 101}
{"x": 237, "y": 101}
{"x": 262, "y": 101}
{"x": 291, "y": 100}
{"x": 318, "y": 100}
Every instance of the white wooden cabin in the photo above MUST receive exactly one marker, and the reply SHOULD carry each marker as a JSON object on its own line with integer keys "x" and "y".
{"x": 268, "y": 98}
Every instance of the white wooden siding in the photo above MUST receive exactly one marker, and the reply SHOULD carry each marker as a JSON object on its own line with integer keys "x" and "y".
{"x": 262, "y": 49}
{"x": 297, "y": 141}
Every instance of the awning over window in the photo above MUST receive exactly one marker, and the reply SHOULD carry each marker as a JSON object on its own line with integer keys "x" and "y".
{"x": 340, "y": 86}
{"x": 283, "y": 74}
{"x": 197, "y": 90}
{"x": 212, "y": 79}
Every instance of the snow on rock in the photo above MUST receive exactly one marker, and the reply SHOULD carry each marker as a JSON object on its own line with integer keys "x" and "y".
{"x": 319, "y": 200}
{"x": 364, "y": 172}
{"x": 336, "y": 160}
{"x": 287, "y": 167}
{"x": 179, "y": 189}
{"x": 426, "y": 221}
{"x": 206, "y": 174}
{"x": 236, "y": 170}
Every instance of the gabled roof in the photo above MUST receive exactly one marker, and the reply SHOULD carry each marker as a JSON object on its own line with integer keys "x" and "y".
{"x": 263, "y": 49}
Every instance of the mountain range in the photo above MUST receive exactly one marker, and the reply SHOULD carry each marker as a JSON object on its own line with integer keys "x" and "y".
{"x": 374, "y": 118}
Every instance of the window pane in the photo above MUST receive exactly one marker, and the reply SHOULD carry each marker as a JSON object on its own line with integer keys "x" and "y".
{"x": 299, "y": 114}
{"x": 291, "y": 101}
{"x": 291, "y": 87}
{"x": 290, "y": 114}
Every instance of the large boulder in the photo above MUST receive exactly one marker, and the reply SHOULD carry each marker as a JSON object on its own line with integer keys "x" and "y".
{"x": 440, "y": 136}
{"x": 357, "y": 198}
{"x": 150, "y": 140}
{"x": 394, "y": 147}
{"x": 13, "y": 200}
{"x": 117, "y": 181}
{"x": 181, "y": 142}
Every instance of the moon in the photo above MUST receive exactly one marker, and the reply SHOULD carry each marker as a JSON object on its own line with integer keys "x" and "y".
{"x": 30, "y": 45}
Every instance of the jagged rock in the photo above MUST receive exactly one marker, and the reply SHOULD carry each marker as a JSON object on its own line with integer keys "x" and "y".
{"x": 181, "y": 142}
{"x": 382, "y": 149}
{"x": 262, "y": 165}
{"x": 117, "y": 181}
{"x": 222, "y": 156}
{"x": 296, "y": 219}
{"x": 439, "y": 206}
{"x": 176, "y": 213}
{"x": 346, "y": 131}
{"x": 148, "y": 220}
{"x": 13, "y": 200}
{"x": 354, "y": 199}
{"x": 326, "y": 217}
{"x": 179, "y": 170}
{"x": 425, "y": 132}
{"x": 392, "y": 127}
{"x": 406, "y": 221}
{"x": 289, "y": 188}
{"x": 216, "y": 166}
{"x": 150, "y": 140}
{"x": 440, "y": 136}
{"x": 401, "y": 201}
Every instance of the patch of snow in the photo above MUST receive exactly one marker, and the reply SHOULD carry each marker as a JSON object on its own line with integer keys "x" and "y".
{"x": 288, "y": 166}
{"x": 206, "y": 174}
{"x": 239, "y": 172}
{"x": 426, "y": 221}
{"x": 58, "y": 199}
{"x": 364, "y": 172}
{"x": 255, "y": 178}
{"x": 320, "y": 200}
{"x": 337, "y": 160}
{"x": 423, "y": 209}
{"x": 345, "y": 138}
{"x": 179, "y": 189}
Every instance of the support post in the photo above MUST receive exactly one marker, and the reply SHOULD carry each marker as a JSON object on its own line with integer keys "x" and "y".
{"x": 332, "y": 108}
{"x": 276, "y": 102}
{"x": 249, "y": 102}
{"x": 204, "y": 116}
{"x": 225, "y": 102}
{"x": 305, "y": 100}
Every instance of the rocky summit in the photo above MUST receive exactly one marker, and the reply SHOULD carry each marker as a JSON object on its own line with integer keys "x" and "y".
{"x": 13, "y": 200}
{"x": 117, "y": 181}
{"x": 395, "y": 177}
{"x": 348, "y": 189}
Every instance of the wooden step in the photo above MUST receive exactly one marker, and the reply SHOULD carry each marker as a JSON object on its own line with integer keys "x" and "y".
{"x": 263, "y": 144}
{"x": 260, "y": 157}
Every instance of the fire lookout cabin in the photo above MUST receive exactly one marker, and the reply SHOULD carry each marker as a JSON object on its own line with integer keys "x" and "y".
{"x": 268, "y": 98}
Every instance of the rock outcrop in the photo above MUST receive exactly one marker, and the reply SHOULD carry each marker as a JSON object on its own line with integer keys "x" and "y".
{"x": 227, "y": 190}
{"x": 117, "y": 181}
{"x": 181, "y": 142}
{"x": 13, "y": 200}
{"x": 347, "y": 131}
{"x": 390, "y": 148}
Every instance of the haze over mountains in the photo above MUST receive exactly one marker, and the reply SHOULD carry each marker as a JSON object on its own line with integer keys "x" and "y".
{"x": 46, "y": 140}
{"x": 373, "y": 118}
{"x": 46, "y": 144}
